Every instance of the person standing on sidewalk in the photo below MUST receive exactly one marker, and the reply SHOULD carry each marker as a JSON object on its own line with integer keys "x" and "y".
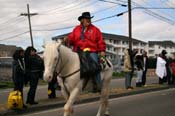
{"x": 128, "y": 69}
{"x": 161, "y": 68}
{"x": 34, "y": 69}
{"x": 145, "y": 67}
{"x": 18, "y": 71}
{"x": 139, "y": 70}
{"x": 172, "y": 65}
{"x": 167, "y": 78}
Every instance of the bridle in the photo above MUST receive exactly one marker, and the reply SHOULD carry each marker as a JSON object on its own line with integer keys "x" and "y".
{"x": 60, "y": 59}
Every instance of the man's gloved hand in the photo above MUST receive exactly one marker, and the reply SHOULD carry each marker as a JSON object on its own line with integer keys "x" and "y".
{"x": 102, "y": 54}
{"x": 66, "y": 41}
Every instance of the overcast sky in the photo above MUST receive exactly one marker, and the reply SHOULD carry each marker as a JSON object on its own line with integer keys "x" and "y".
{"x": 55, "y": 15}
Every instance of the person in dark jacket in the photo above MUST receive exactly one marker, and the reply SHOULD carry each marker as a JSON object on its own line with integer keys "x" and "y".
{"x": 168, "y": 70}
{"x": 18, "y": 73}
{"x": 34, "y": 68}
{"x": 139, "y": 69}
{"x": 145, "y": 67}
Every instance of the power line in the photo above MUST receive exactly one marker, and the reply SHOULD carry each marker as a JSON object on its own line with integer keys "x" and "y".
{"x": 99, "y": 11}
{"x": 58, "y": 7}
{"x": 9, "y": 20}
{"x": 155, "y": 14}
{"x": 69, "y": 27}
{"x": 11, "y": 37}
{"x": 116, "y": 15}
{"x": 113, "y": 3}
{"x": 121, "y": 1}
{"x": 162, "y": 10}
{"x": 12, "y": 31}
{"x": 69, "y": 7}
{"x": 12, "y": 23}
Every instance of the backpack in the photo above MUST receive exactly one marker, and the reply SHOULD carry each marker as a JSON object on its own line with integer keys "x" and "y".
{"x": 15, "y": 100}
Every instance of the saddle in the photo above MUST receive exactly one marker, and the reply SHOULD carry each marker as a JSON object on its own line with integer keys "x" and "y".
{"x": 88, "y": 67}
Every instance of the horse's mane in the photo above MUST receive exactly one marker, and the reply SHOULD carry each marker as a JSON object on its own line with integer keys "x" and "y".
{"x": 60, "y": 45}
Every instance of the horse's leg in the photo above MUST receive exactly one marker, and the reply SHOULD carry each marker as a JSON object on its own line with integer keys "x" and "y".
{"x": 68, "y": 107}
{"x": 63, "y": 90}
{"x": 106, "y": 102}
{"x": 104, "y": 99}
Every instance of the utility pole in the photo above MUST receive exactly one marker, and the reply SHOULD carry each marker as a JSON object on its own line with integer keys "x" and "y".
{"x": 30, "y": 27}
{"x": 130, "y": 24}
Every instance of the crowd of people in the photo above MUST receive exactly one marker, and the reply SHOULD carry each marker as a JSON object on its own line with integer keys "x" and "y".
{"x": 135, "y": 62}
{"x": 138, "y": 62}
{"x": 28, "y": 67}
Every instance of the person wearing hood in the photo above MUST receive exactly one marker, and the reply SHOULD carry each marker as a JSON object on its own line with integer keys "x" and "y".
{"x": 18, "y": 71}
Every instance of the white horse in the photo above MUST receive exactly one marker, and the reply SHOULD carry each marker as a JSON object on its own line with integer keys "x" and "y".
{"x": 66, "y": 63}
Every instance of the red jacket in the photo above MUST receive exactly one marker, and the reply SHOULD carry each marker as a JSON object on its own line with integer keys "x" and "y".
{"x": 92, "y": 39}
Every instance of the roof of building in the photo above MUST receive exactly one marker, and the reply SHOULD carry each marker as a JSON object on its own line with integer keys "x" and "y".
{"x": 106, "y": 36}
{"x": 162, "y": 43}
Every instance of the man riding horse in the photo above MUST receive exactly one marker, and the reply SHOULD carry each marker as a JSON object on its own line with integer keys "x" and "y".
{"x": 87, "y": 37}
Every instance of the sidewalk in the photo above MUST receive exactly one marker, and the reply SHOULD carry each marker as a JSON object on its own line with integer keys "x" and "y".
{"x": 45, "y": 104}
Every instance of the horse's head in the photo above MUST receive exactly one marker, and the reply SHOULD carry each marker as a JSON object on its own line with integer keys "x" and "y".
{"x": 51, "y": 56}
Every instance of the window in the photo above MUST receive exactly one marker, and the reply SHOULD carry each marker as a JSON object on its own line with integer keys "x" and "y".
{"x": 125, "y": 42}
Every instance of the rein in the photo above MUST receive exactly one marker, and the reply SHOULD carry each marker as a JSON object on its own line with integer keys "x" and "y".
{"x": 61, "y": 69}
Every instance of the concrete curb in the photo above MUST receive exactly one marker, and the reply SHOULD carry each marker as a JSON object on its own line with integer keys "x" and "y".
{"x": 59, "y": 104}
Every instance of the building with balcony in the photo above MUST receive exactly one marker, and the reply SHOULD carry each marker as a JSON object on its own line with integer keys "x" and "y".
{"x": 155, "y": 48}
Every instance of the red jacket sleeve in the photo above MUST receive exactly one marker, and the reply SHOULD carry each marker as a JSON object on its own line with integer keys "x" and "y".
{"x": 101, "y": 43}
{"x": 71, "y": 37}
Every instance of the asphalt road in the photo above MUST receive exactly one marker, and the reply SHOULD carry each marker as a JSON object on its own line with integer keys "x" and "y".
{"x": 160, "y": 103}
{"x": 42, "y": 90}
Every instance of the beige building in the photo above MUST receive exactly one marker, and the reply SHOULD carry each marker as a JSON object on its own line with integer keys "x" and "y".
{"x": 7, "y": 50}
{"x": 155, "y": 48}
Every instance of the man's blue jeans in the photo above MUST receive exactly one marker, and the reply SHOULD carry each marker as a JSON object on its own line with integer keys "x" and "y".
{"x": 95, "y": 57}
{"x": 128, "y": 79}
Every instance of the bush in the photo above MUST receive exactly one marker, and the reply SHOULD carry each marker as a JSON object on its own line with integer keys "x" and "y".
{"x": 118, "y": 74}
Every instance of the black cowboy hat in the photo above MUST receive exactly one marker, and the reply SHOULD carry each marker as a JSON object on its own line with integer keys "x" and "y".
{"x": 86, "y": 15}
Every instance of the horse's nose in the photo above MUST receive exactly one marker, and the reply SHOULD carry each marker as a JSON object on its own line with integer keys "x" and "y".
{"x": 47, "y": 77}
{"x": 50, "y": 77}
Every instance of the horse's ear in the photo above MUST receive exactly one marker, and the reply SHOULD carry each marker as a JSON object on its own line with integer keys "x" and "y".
{"x": 58, "y": 43}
